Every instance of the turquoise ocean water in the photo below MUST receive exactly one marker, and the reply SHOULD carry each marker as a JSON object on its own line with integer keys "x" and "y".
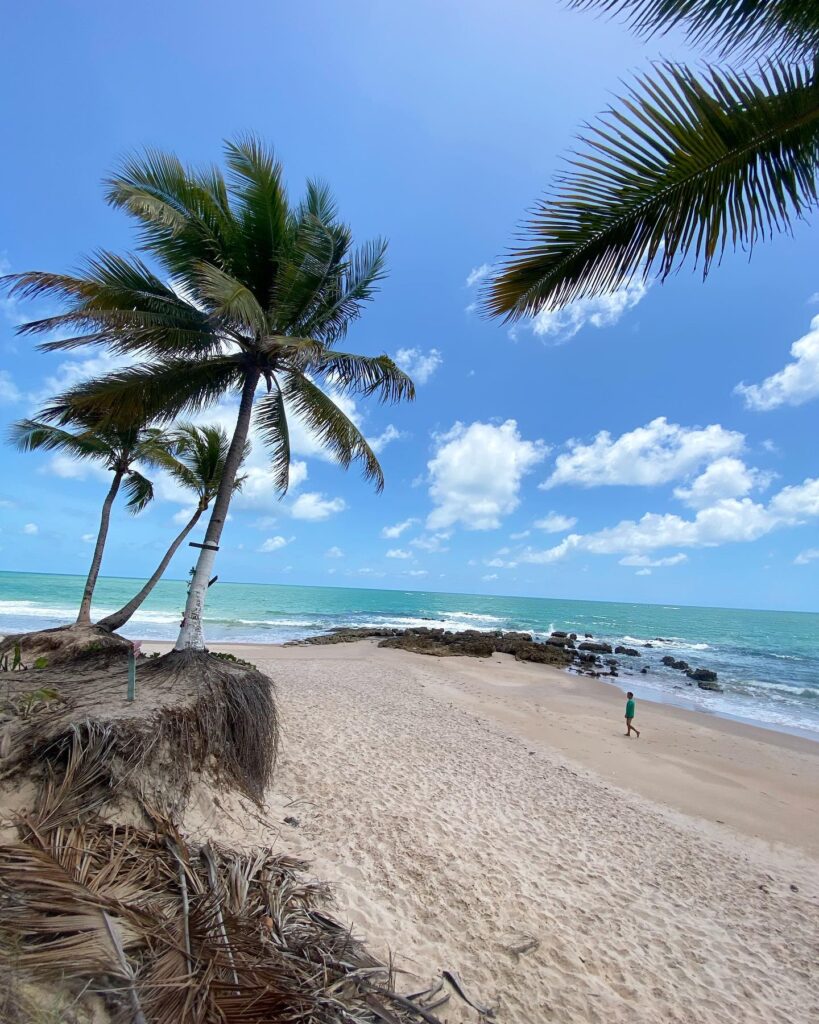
{"x": 768, "y": 662}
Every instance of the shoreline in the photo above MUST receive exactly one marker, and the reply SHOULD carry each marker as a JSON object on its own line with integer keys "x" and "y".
{"x": 487, "y": 817}
{"x": 709, "y": 767}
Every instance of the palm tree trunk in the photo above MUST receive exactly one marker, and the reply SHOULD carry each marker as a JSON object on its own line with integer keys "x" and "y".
{"x": 84, "y": 616}
{"x": 191, "y": 636}
{"x": 116, "y": 620}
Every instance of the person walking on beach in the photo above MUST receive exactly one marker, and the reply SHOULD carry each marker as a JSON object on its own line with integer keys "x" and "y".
{"x": 630, "y": 715}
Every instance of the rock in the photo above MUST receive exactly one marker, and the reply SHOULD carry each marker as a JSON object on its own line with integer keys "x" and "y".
{"x": 589, "y": 636}
{"x": 643, "y": 671}
{"x": 292, "y": 821}
{"x": 543, "y": 654}
{"x": 649, "y": 645}
{"x": 619, "y": 649}
{"x": 559, "y": 633}
{"x": 701, "y": 675}
{"x": 673, "y": 662}
{"x": 710, "y": 686}
{"x": 598, "y": 648}
{"x": 572, "y": 636}
{"x": 794, "y": 888}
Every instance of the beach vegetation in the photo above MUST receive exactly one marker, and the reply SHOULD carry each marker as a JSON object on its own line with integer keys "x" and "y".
{"x": 687, "y": 163}
{"x": 109, "y": 442}
{"x": 252, "y": 296}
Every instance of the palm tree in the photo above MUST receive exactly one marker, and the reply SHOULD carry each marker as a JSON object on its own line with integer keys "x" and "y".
{"x": 254, "y": 291}
{"x": 686, "y": 163}
{"x": 196, "y": 460}
{"x": 118, "y": 448}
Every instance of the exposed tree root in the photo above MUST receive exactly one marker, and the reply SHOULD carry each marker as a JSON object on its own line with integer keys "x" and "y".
{"x": 62, "y": 645}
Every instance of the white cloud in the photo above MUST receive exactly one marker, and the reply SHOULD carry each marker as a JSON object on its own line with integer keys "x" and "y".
{"x": 398, "y": 553}
{"x": 804, "y": 557}
{"x": 476, "y": 474}
{"x": 73, "y": 371}
{"x": 392, "y": 532}
{"x": 726, "y": 478}
{"x": 553, "y": 522}
{"x": 259, "y": 489}
{"x": 498, "y": 563}
{"x": 334, "y": 552}
{"x": 275, "y": 544}
{"x": 600, "y": 311}
{"x": 67, "y": 468}
{"x": 434, "y": 542}
{"x": 314, "y": 506}
{"x": 646, "y": 456}
{"x": 31, "y": 529}
{"x": 643, "y": 572}
{"x": 645, "y": 561}
{"x": 794, "y": 384}
{"x": 379, "y": 443}
{"x": 730, "y": 520}
{"x": 520, "y": 536}
{"x": 367, "y": 571}
{"x": 88, "y": 538}
{"x": 183, "y": 515}
{"x": 478, "y": 274}
{"x": 415, "y": 572}
{"x": 9, "y": 392}
{"x": 490, "y": 576}
{"x": 418, "y": 365}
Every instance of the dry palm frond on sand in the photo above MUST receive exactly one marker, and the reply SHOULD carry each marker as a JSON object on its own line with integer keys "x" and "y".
{"x": 168, "y": 932}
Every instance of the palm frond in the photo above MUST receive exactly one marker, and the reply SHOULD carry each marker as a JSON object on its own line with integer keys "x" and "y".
{"x": 365, "y": 375}
{"x": 367, "y": 266}
{"x": 184, "y": 215}
{"x": 152, "y": 391}
{"x": 682, "y": 167}
{"x": 787, "y": 29}
{"x": 332, "y": 427}
{"x": 120, "y": 302}
{"x": 33, "y": 435}
{"x": 271, "y": 424}
{"x": 140, "y": 492}
{"x": 230, "y": 300}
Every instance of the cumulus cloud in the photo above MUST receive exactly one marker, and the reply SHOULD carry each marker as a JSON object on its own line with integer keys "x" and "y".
{"x": 730, "y": 520}
{"x": 645, "y": 561}
{"x": 416, "y": 572}
{"x": 806, "y": 556}
{"x": 334, "y": 552}
{"x": 379, "y": 443}
{"x": 432, "y": 542}
{"x": 599, "y": 311}
{"x": 398, "y": 553}
{"x": 275, "y": 544}
{"x": 31, "y": 529}
{"x": 476, "y": 472}
{"x": 259, "y": 489}
{"x": 419, "y": 365}
{"x": 647, "y": 456}
{"x": 67, "y": 468}
{"x": 9, "y": 392}
{"x": 490, "y": 576}
{"x": 725, "y": 478}
{"x": 552, "y": 522}
{"x": 392, "y": 532}
{"x": 314, "y": 506}
{"x": 643, "y": 572}
{"x": 794, "y": 384}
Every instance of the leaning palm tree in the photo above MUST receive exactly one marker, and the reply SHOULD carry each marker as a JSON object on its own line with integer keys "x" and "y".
{"x": 118, "y": 448}
{"x": 195, "y": 459}
{"x": 252, "y": 295}
{"x": 686, "y": 163}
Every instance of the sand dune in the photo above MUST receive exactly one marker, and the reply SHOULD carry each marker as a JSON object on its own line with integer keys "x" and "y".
{"x": 436, "y": 798}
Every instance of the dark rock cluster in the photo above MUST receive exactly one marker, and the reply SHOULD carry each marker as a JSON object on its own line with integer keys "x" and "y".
{"x": 705, "y": 678}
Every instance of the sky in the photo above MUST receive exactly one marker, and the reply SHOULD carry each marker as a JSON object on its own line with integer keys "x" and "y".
{"x": 657, "y": 445}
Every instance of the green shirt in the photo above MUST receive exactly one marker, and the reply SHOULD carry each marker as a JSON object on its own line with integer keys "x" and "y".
{"x": 629, "y": 709}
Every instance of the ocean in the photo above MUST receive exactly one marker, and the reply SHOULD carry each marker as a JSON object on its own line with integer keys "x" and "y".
{"x": 768, "y": 662}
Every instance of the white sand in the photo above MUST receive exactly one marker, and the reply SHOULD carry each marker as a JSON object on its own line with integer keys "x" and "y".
{"x": 463, "y": 808}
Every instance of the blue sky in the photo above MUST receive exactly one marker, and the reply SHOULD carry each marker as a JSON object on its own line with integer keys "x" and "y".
{"x": 603, "y": 453}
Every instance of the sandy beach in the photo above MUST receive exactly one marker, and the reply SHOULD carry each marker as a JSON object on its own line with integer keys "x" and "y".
{"x": 488, "y": 818}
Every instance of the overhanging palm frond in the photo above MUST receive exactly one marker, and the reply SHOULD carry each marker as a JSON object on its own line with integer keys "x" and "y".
{"x": 230, "y": 299}
{"x": 153, "y": 391}
{"x": 787, "y": 28}
{"x": 332, "y": 427}
{"x": 140, "y": 492}
{"x": 684, "y": 167}
{"x": 271, "y": 423}
{"x": 365, "y": 269}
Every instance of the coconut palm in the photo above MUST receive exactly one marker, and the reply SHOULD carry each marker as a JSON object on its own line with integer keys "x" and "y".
{"x": 118, "y": 449}
{"x": 253, "y": 294}
{"x": 195, "y": 459}
{"x": 686, "y": 164}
